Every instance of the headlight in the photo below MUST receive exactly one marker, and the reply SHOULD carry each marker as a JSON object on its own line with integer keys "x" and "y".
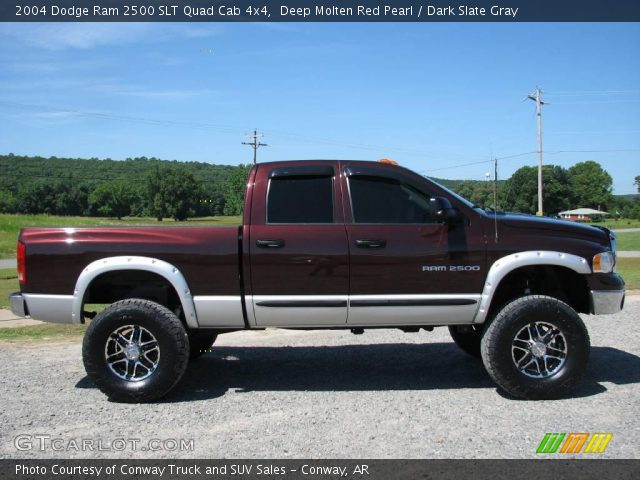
{"x": 603, "y": 262}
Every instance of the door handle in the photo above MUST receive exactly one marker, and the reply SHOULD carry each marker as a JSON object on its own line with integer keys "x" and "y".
{"x": 271, "y": 243}
{"x": 371, "y": 243}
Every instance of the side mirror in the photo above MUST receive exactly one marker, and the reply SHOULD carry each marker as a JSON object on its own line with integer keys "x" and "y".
{"x": 443, "y": 212}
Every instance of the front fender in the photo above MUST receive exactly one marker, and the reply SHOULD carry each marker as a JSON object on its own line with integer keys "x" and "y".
{"x": 503, "y": 266}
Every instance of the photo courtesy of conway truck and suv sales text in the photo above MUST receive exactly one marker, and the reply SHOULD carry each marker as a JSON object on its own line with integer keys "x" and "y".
{"x": 328, "y": 245}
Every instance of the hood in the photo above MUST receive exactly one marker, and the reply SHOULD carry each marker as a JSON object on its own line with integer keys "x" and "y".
{"x": 553, "y": 226}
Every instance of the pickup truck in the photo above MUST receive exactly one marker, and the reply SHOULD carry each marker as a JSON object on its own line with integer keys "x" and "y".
{"x": 328, "y": 245}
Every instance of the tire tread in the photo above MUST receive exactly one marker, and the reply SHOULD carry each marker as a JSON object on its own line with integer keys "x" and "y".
{"x": 167, "y": 321}
{"x": 490, "y": 345}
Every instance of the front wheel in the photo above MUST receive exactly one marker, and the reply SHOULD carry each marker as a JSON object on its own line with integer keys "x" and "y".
{"x": 135, "y": 350}
{"x": 200, "y": 342}
{"x": 536, "y": 347}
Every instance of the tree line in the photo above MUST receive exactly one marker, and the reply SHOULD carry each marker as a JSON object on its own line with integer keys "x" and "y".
{"x": 169, "y": 189}
{"x": 584, "y": 185}
{"x": 133, "y": 187}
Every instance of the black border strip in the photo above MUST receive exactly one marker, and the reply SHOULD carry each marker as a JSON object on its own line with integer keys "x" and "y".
{"x": 243, "y": 293}
{"x": 302, "y": 303}
{"x": 435, "y": 302}
{"x": 325, "y": 11}
{"x": 303, "y": 171}
{"x": 495, "y": 469}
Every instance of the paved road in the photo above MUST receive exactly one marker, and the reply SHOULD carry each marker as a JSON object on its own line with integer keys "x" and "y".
{"x": 8, "y": 263}
{"x": 9, "y": 320}
{"x": 327, "y": 394}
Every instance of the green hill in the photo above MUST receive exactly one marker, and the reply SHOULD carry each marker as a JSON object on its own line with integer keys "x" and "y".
{"x": 63, "y": 185}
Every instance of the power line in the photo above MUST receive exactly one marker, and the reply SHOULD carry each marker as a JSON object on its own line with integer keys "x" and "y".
{"x": 593, "y": 93}
{"x": 595, "y": 132}
{"x": 304, "y": 138}
{"x": 554, "y": 152}
{"x": 594, "y": 102}
{"x": 523, "y": 154}
{"x": 517, "y": 155}
{"x": 110, "y": 116}
{"x": 358, "y": 146}
{"x": 211, "y": 126}
{"x": 481, "y": 162}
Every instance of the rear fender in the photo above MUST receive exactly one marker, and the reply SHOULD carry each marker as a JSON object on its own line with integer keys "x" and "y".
{"x": 159, "y": 267}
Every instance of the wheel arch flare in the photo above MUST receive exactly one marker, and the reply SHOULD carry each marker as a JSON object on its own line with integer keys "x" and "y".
{"x": 505, "y": 265}
{"x": 153, "y": 265}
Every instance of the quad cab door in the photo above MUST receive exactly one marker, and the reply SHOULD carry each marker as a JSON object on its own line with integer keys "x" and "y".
{"x": 299, "y": 264}
{"x": 407, "y": 267}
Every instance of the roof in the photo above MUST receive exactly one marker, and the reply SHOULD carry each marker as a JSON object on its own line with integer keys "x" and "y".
{"x": 583, "y": 211}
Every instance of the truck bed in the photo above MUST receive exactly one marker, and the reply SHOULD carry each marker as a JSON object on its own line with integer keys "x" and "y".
{"x": 207, "y": 256}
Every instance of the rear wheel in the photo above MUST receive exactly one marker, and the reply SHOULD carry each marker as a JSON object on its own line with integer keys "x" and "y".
{"x": 536, "y": 347}
{"x": 135, "y": 350}
{"x": 467, "y": 337}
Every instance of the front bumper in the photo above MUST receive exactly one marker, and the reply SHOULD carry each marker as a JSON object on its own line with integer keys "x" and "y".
{"x": 605, "y": 302}
{"x": 16, "y": 301}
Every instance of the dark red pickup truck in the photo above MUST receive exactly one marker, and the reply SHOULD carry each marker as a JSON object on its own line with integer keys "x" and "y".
{"x": 328, "y": 244}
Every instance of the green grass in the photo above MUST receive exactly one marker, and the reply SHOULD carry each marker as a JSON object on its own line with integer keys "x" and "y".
{"x": 628, "y": 240}
{"x": 617, "y": 223}
{"x": 629, "y": 268}
{"x": 45, "y": 332}
{"x": 8, "y": 285}
{"x": 10, "y": 225}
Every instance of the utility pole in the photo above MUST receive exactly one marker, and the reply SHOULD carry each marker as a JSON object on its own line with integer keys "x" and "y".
{"x": 255, "y": 144}
{"x": 495, "y": 197}
{"x": 536, "y": 98}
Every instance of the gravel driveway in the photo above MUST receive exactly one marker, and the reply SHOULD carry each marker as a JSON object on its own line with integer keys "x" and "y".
{"x": 288, "y": 394}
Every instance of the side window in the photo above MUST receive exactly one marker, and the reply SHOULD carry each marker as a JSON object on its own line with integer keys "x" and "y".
{"x": 384, "y": 200}
{"x": 303, "y": 199}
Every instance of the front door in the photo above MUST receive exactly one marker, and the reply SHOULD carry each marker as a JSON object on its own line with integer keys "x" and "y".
{"x": 406, "y": 268}
{"x": 298, "y": 247}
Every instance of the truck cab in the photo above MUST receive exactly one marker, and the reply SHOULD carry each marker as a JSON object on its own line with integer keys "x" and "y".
{"x": 359, "y": 244}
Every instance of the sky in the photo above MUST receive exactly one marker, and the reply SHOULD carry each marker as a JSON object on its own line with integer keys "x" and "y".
{"x": 439, "y": 98}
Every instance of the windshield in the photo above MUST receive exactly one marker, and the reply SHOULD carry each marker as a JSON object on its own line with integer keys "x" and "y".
{"x": 455, "y": 195}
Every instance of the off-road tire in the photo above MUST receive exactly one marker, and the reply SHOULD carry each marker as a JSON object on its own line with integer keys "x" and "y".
{"x": 499, "y": 335}
{"x": 200, "y": 343}
{"x": 467, "y": 337}
{"x": 171, "y": 338}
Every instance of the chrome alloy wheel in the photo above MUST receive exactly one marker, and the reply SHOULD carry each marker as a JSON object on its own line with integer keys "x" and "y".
{"x": 132, "y": 353}
{"x": 539, "y": 350}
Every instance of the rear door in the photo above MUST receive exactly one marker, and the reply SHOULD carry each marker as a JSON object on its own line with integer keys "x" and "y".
{"x": 298, "y": 246}
{"x": 405, "y": 267}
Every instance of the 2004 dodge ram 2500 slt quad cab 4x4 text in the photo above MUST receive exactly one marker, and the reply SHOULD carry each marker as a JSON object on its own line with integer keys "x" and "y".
{"x": 328, "y": 245}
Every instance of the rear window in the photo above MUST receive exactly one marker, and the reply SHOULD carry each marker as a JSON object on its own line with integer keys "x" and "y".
{"x": 303, "y": 199}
